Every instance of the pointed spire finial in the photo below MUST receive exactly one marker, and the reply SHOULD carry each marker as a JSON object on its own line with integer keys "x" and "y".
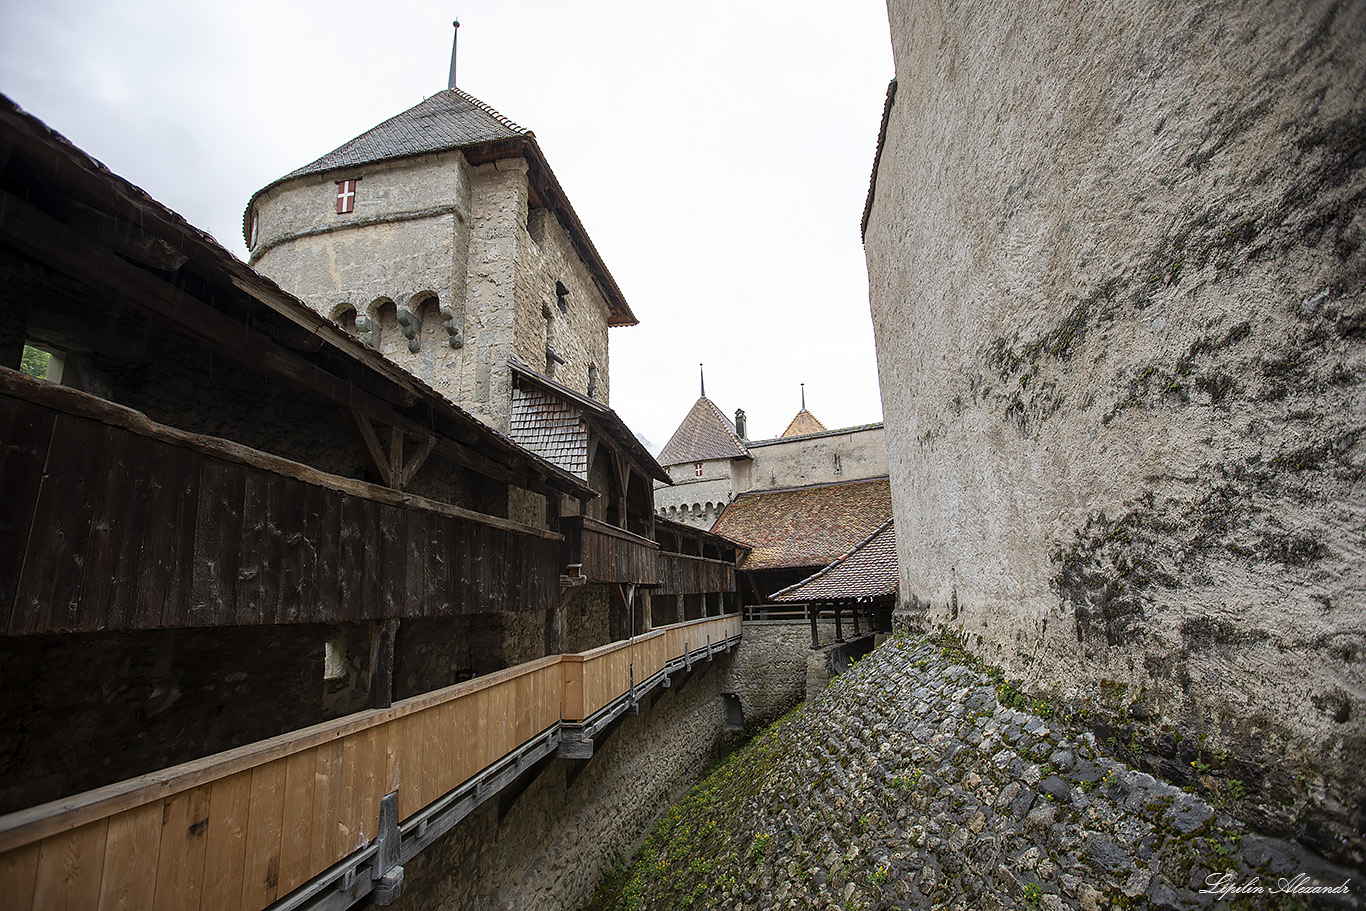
{"x": 803, "y": 396}
{"x": 703, "y": 378}
{"x": 454, "y": 42}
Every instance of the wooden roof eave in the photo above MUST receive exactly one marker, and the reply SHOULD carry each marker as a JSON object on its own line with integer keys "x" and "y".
{"x": 339, "y": 369}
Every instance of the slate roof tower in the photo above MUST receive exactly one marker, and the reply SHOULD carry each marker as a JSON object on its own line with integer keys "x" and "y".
{"x": 442, "y": 238}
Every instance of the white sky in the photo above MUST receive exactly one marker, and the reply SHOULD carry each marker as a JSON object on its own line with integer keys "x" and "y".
{"x": 717, "y": 152}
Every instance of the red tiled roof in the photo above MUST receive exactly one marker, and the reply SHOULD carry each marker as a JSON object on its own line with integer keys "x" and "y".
{"x": 805, "y": 422}
{"x": 805, "y": 526}
{"x": 868, "y": 571}
{"x": 704, "y": 434}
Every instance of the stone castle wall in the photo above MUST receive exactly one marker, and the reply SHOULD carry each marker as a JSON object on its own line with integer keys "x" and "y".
{"x": 797, "y": 462}
{"x": 769, "y": 674}
{"x": 444, "y": 269}
{"x": 1115, "y": 260}
{"x": 407, "y": 241}
{"x": 545, "y": 256}
{"x": 818, "y": 459}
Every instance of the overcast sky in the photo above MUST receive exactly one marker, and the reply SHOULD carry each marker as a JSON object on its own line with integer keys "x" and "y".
{"x": 717, "y": 152}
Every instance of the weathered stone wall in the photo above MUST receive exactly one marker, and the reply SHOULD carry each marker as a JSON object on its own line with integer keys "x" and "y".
{"x": 547, "y": 848}
{"x": 768, "y": 674}
{"x": 697, "y": 500}
{"x": 829, "y": 661}
{"x": 578, "y": 333}
{"x": 1115, "y": 259}
{"x": 587, "y": 618}
{"x": 407, "y": 239}
{"x": 818, "y": 459}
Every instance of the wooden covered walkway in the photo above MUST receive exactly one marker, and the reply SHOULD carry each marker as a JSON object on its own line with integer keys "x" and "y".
{"x": 324, "y": 816}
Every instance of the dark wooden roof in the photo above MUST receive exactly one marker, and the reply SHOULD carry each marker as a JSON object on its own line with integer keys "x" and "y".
{"x": 704, "y": 434}
{"x": 805, "y": 526}
{"x": 190, "y": 283}
{"x": 455, "y": 120}
{"x": 868, "y": 571}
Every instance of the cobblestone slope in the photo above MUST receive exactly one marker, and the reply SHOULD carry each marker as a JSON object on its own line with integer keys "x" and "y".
{"x": 908, "y": 785}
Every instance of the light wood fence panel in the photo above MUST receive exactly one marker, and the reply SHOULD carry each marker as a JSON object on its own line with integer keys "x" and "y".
{"x": 236, "y": 831}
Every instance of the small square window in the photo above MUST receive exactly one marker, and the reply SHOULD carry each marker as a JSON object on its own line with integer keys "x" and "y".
{"x": 697, "y": 469}
{"x": 334, "y": 659}
{"x": 346, "y": 196}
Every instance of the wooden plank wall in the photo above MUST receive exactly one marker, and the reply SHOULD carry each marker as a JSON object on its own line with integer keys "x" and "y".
{"x": 236, "y": 831}
{"x": 682, "y": 574}
{"x": 611, "y": 554}
{"x": 105, "y": 528}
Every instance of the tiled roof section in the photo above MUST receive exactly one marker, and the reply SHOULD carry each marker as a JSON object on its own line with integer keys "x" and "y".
{"x": 450, "y": 119}
{"x": 705, "y": 434}
{"x": 606, "y": 421}
{"x": 805, "y": 526}
{"x": 805, "y": 422}
{"x": 868, "y": 571}
{"x": 550, "y": 427}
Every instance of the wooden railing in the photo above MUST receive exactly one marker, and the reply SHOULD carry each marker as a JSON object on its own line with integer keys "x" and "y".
{"x": 683, "y": 574}
{"x": 241, "y": 829}
{"x": 606, "y": 553}
{"x": 111, "y": 521}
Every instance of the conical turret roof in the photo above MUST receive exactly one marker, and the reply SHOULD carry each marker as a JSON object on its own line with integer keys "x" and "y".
{"x": 705, "y": 434}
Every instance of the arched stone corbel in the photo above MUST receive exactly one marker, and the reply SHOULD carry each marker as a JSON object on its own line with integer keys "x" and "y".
{"x": 450, "y": 320}
{"x": 368, "y": 328}
{"x": 410, "y": 324}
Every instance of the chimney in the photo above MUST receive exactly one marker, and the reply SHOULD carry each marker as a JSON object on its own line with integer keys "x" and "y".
{"x": 740, "y": 429}
{"x": 454, "y": 42}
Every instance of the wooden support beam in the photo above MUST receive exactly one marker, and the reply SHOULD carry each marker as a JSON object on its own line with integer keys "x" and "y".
{"x": 415, "y": 463}
{"x": 382, "y": 637}
{"x": 811, "y": 612}
{"x": 370, "y": 446}
{"x": 390, "y": 465}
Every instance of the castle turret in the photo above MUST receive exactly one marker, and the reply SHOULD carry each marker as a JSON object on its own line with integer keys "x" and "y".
{"x": 442, "y": 238}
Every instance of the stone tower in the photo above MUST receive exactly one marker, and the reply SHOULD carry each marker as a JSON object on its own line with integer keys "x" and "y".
{"x": 1117, "y": 266}
{"x": 442, "y": 238}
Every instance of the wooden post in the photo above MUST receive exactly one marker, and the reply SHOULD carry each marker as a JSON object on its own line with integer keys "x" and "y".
{"x": 812, "y": 611}
{"x": 554, "y": 630}
{"x": 552, "y": 511}
{"x": 853, "y": 612}
{"x": 839, "y": 630}
{"x": 382, "y": 636}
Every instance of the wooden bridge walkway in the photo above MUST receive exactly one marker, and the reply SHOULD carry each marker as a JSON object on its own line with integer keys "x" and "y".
{"x": 321, "y": 817}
